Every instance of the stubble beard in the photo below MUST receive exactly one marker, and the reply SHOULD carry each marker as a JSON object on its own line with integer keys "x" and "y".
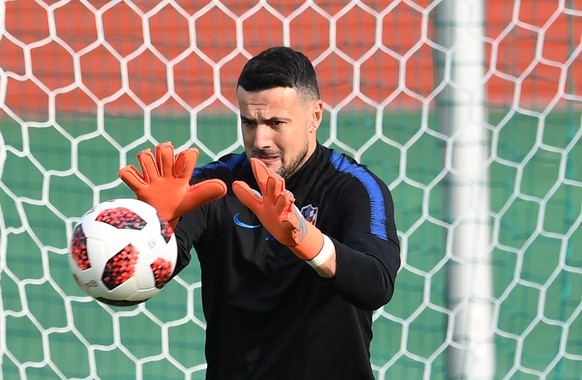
{"x": 288, "y": 170}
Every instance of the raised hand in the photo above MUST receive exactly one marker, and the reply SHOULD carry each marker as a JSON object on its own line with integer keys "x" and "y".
{"x": 165, "y": 182}
{"x": 275, "y": 208}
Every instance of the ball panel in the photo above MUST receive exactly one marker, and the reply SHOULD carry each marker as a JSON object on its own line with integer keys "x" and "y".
{"x": 120, "y": 267}
{"x": 121, "y": 218}
{"x": 79, "y": 248}
{"x": 143, "y": 294}
{"x": 121, "y": 292}
{"x": 167, "y": 230}
{"x": 162, "y": 270}
{"x": 89, "y": 278}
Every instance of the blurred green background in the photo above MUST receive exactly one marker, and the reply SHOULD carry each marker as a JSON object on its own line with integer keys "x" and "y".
{"x": 52, "y": 174}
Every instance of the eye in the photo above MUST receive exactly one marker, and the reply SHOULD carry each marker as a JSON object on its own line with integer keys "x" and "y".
{"x": 248, "y": 123}
{"x": 275, "y": 123}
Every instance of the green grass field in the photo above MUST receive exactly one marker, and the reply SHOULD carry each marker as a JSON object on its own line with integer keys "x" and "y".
{"x": 51, "y": 175}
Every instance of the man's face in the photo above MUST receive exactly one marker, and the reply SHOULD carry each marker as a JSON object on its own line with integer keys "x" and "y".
{"x": 277, "y": 127}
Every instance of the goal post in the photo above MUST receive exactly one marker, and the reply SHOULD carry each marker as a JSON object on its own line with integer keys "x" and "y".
{"x": 470, "y": 111}
{"x": 462, "y": 116}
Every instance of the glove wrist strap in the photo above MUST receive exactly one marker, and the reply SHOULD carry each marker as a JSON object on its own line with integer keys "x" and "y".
{"x": 324, "y": 254}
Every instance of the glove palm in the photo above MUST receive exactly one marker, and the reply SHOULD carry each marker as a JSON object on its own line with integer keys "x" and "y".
{"x": 165, "y": 182}
{"x": 275, "y": 208}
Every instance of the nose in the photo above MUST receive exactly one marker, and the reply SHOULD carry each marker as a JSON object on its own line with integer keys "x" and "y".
{"x": 263, "y": 136}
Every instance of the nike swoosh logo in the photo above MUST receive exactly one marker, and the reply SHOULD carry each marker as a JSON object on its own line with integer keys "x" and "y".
{"x": 242, "y": 224}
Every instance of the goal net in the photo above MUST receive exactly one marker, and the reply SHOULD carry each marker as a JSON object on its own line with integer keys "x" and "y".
{"x": 469, "y": 110}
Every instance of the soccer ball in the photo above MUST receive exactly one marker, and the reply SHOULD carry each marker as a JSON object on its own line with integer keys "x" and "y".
{"x": 122, "y": 253}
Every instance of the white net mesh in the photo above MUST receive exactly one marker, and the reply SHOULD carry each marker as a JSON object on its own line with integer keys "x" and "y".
{"x": 85, "y": 85}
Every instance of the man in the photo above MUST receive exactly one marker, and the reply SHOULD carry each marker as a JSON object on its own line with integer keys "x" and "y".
{"x": 297, "y": 243}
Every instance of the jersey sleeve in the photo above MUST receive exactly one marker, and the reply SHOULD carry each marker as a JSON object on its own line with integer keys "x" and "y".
{"x": 188, "y": 231}
{"x": 190, "y": 228}
{"x": 367, "y": 250}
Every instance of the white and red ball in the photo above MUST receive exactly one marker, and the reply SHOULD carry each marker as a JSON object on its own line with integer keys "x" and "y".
{"x": 122, "y": 253}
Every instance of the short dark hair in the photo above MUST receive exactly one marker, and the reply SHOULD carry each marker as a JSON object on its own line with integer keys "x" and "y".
{"x": 280, "y": 66}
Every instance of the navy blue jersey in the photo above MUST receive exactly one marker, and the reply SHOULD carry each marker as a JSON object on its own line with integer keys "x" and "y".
{"x": 271, "y": 316}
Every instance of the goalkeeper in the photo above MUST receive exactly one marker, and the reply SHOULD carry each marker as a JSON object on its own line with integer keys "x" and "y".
{"x": 297, "y": 243}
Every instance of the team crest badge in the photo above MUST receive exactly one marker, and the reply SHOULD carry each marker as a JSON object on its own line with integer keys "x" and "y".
{"x": 309, "y": 212}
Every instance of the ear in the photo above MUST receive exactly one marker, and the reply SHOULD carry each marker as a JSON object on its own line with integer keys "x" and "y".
{"x": 316, "y": 113}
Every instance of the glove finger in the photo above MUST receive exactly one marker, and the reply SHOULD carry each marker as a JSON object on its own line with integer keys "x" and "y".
{"x": 185, "y": 163}
{"x": 204, "y": 192}
{"x": 285, "y": 207}
{"x": 261, "y": 173}
{"x": 270, "y": 183}
{"x": 275, "y": 186}
{"x": 165, "y": 159}
{"x": 132, "y": 178}
{"x": 147, "y": 162}
{"x": 247, "y": 196}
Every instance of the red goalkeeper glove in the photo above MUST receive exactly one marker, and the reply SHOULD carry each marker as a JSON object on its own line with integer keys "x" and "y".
{"x": 165, "y": 182}
{"x": 275, "y": 208}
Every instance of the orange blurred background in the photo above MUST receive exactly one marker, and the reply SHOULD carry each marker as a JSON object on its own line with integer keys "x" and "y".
{"x": 128, "y": 56}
